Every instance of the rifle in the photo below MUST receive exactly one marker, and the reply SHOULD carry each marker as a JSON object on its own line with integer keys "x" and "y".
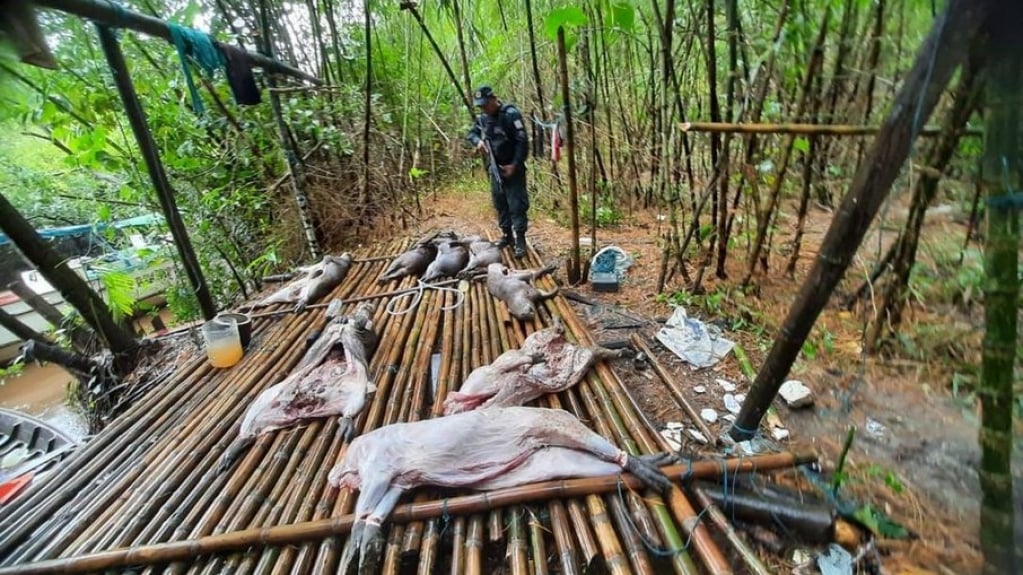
{"x": 495, "y": 172}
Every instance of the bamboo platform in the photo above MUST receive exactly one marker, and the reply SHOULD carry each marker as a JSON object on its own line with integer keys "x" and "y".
{"x": 145, "y": 493}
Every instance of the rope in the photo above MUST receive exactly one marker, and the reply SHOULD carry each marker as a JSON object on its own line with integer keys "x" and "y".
{"x": 418, "y": 296}
{"x": 200, "y": 46}
{"x": 1014, "y": 198}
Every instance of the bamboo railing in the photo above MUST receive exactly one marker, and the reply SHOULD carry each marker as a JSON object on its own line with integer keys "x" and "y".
{"x": 145, "y": 491}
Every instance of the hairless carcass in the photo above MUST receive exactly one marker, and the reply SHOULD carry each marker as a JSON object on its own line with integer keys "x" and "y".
{"x": 316, "y": 281}
{"x": 546, "y": 363}
{"x": 515, "y": 289}
{"x": 480, "y": 450}
{"x": 328, "y": 381}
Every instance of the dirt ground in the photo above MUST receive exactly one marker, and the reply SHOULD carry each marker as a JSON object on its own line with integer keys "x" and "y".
{"x": 915, "y": 454}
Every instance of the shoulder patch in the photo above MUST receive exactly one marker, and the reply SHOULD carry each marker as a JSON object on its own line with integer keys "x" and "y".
{"x": 519, "y": 125}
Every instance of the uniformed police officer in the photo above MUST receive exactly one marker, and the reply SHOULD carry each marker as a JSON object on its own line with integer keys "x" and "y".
{"x": 502, "y": 127}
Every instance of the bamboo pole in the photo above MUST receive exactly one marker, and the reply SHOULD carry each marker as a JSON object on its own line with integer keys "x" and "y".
{"x": 120, "y": 17}
{"x": 672, "y": 385}
{"x": 748, "y": 556}
{"x": 157, "y": 174}
{"x": 803, "y": 129}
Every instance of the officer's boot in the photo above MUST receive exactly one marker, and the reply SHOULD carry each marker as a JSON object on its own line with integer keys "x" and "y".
{"x": 507, "y": 240}
{"x": 520, "y": 245}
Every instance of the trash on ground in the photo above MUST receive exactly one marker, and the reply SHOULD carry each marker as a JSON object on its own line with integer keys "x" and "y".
{"x": 732, "y": 403}
{"x": 875, "y": 428}
{"x": 699, "y": 344}
{"x": 700, "y": 389}
{"x": 796, "y": 394}
{"x": 835, "y": 561}
{"x": 709, "y": 415}
{"x": 725, "y": 384}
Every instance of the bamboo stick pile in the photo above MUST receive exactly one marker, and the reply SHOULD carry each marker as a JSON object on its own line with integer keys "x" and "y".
{"x": 148, "y": 482}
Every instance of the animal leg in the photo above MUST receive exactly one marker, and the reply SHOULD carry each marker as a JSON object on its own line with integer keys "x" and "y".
{"x": 371, "y": 546}
{"x": 573, "y": 434}
{"x": 602, "y": 353}
{"x": 233, "y": 451}
{"x": 645, "y": 467}
{"x": 546, "y": 295}
{"x": 346, "y": 429}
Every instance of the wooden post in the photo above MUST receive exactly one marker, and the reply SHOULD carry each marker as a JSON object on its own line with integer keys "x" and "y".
{"x": 14, "y": 325}
{"x": 574, "y": 270}
{"x": 137, "y": 119}
{"x": 79, "y": 339}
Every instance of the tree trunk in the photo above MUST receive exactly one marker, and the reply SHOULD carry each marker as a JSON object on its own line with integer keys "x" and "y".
{"x": 574, "y": 269}
{"x": 1002, "y": 180}
{"x": 936, "y": 60}
{"x": 72, "y": 287}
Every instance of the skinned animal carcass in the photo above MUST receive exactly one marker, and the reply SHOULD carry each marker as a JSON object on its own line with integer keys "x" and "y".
{"x": 316, "y": 281}
{"x": 546, "y": 363}
{"x": 332, "y": 379}
{"x": 480, "y": 450}
{"x": 515, "y": 289}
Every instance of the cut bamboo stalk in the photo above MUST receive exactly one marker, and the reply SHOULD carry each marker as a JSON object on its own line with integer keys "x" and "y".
{"x": 538, "y": 545}
{"x": 392, "y": 551}
{"x": 567, "y": 552}
{"x": 635, "y": 552}
{"x": 803, "y": 129}
{"x": 518, "y": 548}
{"x": 458, "y": 547}
{"x": 474, "y": 546}
{"x": 744, "y": 552}
{"x": 616, "y": 562}
{"x": 672, "y": 385}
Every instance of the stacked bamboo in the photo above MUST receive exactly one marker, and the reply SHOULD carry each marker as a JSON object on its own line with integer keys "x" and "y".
{"x": 150, "y": 478}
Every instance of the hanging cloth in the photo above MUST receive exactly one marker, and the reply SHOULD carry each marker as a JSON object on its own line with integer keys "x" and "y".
{"x": 18, "y": 25}
{"x": 200, "y": 47}
{"x": 238, "y": 67}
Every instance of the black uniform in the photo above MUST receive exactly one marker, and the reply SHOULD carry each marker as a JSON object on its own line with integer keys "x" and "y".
{"x": 506, "y": 135}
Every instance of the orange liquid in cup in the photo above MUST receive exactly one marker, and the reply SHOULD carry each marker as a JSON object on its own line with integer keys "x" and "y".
{"x": 224, "y": 353}
{"x": 223, "y": 346}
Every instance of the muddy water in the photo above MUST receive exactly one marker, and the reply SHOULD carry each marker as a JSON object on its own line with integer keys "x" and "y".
{"x": 40, "y": 390}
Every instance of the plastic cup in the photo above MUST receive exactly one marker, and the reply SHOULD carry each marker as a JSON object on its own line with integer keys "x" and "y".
{"x": 223, "y": 344}
{"x": 244, "y": 323}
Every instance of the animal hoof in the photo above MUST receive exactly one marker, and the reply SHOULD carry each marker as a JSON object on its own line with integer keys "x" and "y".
{"x": 648, "y": 472}
{"x": 371, "y": 549}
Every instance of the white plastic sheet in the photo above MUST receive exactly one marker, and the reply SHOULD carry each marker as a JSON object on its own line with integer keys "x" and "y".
{"x": 697, "y": 343}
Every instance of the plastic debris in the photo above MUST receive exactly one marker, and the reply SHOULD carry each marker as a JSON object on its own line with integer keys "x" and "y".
{"x": 699, "y": 389}
{"x": 796, "y": 394}
{"x": 835, "y": 561}
{"x": 875, "y": 428}
{"x": 695, "y": 434}
{"x": 725, "y": 384}
{"x": 610, "y": 260}
{"x": 699, "y": 344}
{"x": 732, "y": 403}
{"x": 779, "y": 433}
{"x": 709, "y": 415}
